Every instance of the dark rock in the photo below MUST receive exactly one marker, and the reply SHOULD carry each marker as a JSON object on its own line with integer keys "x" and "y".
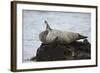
{"x": 55, "y": 51}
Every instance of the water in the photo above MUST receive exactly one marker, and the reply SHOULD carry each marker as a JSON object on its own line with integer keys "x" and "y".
{"x": 33, "y": 24}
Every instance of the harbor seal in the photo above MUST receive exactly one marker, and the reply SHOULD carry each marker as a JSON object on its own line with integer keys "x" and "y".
{"x": 51, "y": 35}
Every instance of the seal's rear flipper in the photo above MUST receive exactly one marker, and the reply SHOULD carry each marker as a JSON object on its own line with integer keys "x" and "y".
{"x": 82, "y": 37}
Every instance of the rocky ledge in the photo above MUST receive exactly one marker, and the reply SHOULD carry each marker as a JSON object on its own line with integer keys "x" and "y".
{"x": 74, "y": 51}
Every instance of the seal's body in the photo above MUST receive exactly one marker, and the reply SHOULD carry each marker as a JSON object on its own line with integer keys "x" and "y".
{"x": 52, "y": 35}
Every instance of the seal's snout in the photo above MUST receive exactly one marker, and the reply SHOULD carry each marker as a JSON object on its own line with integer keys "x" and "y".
{"x": 47, "y": 25}
{"x": 45, "y": 22}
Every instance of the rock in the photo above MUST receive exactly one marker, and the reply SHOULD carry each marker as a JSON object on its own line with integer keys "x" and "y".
{"x": 55, "y": 51}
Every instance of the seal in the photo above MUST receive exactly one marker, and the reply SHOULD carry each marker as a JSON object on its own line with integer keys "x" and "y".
{"x": 51, "y": 35}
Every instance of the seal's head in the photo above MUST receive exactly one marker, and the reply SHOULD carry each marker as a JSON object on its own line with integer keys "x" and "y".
{"x": 48, "y": 28}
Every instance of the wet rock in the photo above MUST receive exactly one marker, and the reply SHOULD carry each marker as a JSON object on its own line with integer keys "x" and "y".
{"x": 55, "y": 51}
